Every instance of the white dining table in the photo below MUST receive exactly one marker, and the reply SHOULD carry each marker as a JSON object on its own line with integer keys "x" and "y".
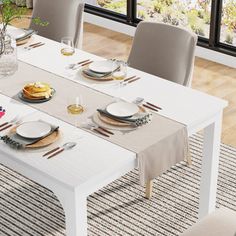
{"x": 95, "y": 162}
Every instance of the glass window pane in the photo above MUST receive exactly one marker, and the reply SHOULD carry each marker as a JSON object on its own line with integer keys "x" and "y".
{"x": 228, "y": 23}
{"x": 118, "y": 6}
{"x": 192, "y": 14}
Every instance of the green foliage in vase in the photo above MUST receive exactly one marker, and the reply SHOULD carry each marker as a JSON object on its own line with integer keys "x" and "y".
{"x": 9, "y": 12}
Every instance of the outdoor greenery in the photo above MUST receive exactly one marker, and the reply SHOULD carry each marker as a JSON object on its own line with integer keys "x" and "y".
{"x": 114, "y": 5}
{"x": 193, "y": 14}
{"x": 229, "y": 21}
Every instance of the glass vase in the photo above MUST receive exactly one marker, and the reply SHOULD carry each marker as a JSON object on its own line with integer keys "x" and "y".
{"x": 8, "y": 55}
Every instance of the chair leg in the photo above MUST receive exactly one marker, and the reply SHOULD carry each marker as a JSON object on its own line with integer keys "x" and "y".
{"x": 189, "y": 160}
{"x": 149, "y": 187}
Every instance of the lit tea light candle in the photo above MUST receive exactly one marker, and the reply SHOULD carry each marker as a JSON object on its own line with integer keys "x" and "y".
{"x": 119, "y": 75}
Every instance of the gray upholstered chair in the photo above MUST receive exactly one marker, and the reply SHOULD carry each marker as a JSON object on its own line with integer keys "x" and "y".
{"x": 220, "y": 223}
{"x": 65, "y": 18}
{"x": 164, "y": 50}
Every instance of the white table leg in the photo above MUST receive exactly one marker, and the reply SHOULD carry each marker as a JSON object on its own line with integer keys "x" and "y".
{"x": 75, "y": 208}
{"x": 210, "y": 164}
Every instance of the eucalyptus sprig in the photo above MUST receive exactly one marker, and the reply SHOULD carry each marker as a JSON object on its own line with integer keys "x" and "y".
{"x": 9, "y": 12}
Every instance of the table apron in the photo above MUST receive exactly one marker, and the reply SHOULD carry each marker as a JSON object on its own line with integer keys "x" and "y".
{"x": 193, "y": 129}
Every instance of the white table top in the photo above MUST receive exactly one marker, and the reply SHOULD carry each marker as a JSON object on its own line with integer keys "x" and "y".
{"x": 94, "y": 157}
{"x": 86, "y": 162}
{"x": 179, "y": 103}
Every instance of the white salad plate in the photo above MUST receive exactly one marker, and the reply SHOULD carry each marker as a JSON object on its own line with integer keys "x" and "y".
{"x": 122, "y": 109}
{"x": 16, "y": 33}
{"x": 101, "y": 66}
{"x": 33, "y": 129}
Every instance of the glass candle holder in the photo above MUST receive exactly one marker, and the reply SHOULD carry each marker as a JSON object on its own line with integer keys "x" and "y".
{"x": 67, "y": 46}
{"x": 75, "y": 105}
{"x": 119, "y": 70}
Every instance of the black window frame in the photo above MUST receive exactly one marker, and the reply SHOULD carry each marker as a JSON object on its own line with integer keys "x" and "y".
{"x": 213, "y": 43}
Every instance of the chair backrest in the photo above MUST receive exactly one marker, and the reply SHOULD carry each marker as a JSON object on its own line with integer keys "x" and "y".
{"x": 164, "y": 50}
{"x": 65, "y": 18}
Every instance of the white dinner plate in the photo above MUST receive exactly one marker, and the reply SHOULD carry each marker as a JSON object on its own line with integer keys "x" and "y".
{"x": 33, "y": 129}
{"x": 122, "y": 109}
{"x": 101, "y": 66}
{"x": 16, "y": 33}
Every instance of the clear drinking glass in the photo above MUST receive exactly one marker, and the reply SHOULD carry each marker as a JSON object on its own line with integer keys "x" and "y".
{"x": 119, "y": 70}
{"x": 67, "y": 46}
{"x": 75, "y": 105}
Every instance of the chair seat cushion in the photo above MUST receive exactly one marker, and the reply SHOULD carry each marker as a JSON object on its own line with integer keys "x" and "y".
{"x": 220, "y": 223}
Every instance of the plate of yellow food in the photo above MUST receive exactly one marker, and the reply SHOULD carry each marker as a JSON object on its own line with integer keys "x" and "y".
{"x": 37, "y": 92}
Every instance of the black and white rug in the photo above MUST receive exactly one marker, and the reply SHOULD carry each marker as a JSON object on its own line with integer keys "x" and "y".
{"x": 120, "y": 209}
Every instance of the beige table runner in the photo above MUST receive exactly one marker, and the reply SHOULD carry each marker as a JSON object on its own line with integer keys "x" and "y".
{"x": 158, "y": 145}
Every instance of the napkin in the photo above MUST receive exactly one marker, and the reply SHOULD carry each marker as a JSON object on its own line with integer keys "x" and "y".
{"x": 17, "y": 142}
{"x": 135, "y": 120}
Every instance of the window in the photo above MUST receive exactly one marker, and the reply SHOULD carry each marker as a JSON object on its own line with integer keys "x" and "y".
{"x": 191, "y": 14}
{"x": 228, "y": 23}
{"x": 213, "y": 20}
{"x": 118, "y": 6}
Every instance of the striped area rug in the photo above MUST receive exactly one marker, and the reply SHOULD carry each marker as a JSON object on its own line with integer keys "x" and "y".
{"x": 120, "y": 209}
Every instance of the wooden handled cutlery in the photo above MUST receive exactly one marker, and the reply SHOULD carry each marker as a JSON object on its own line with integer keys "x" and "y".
{"x": 59, "y": 150}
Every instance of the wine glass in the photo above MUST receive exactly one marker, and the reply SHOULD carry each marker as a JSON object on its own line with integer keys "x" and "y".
{"x": 67, "y": 46}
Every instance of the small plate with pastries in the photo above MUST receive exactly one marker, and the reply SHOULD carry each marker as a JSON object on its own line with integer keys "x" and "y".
{"x": 37, "y": 92}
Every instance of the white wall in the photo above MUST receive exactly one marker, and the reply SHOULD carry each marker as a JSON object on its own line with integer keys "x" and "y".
{"x": 129, "y": 30}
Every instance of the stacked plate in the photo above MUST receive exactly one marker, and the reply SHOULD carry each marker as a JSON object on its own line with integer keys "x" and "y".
{"x": 33, "y": 129}
{"x": 99, "y": 70}
{"x": 123, "y": 115}
{"x": 122, "y": 109}
{"x": 21, "y": 36}
{"x": 33, "y": 134}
